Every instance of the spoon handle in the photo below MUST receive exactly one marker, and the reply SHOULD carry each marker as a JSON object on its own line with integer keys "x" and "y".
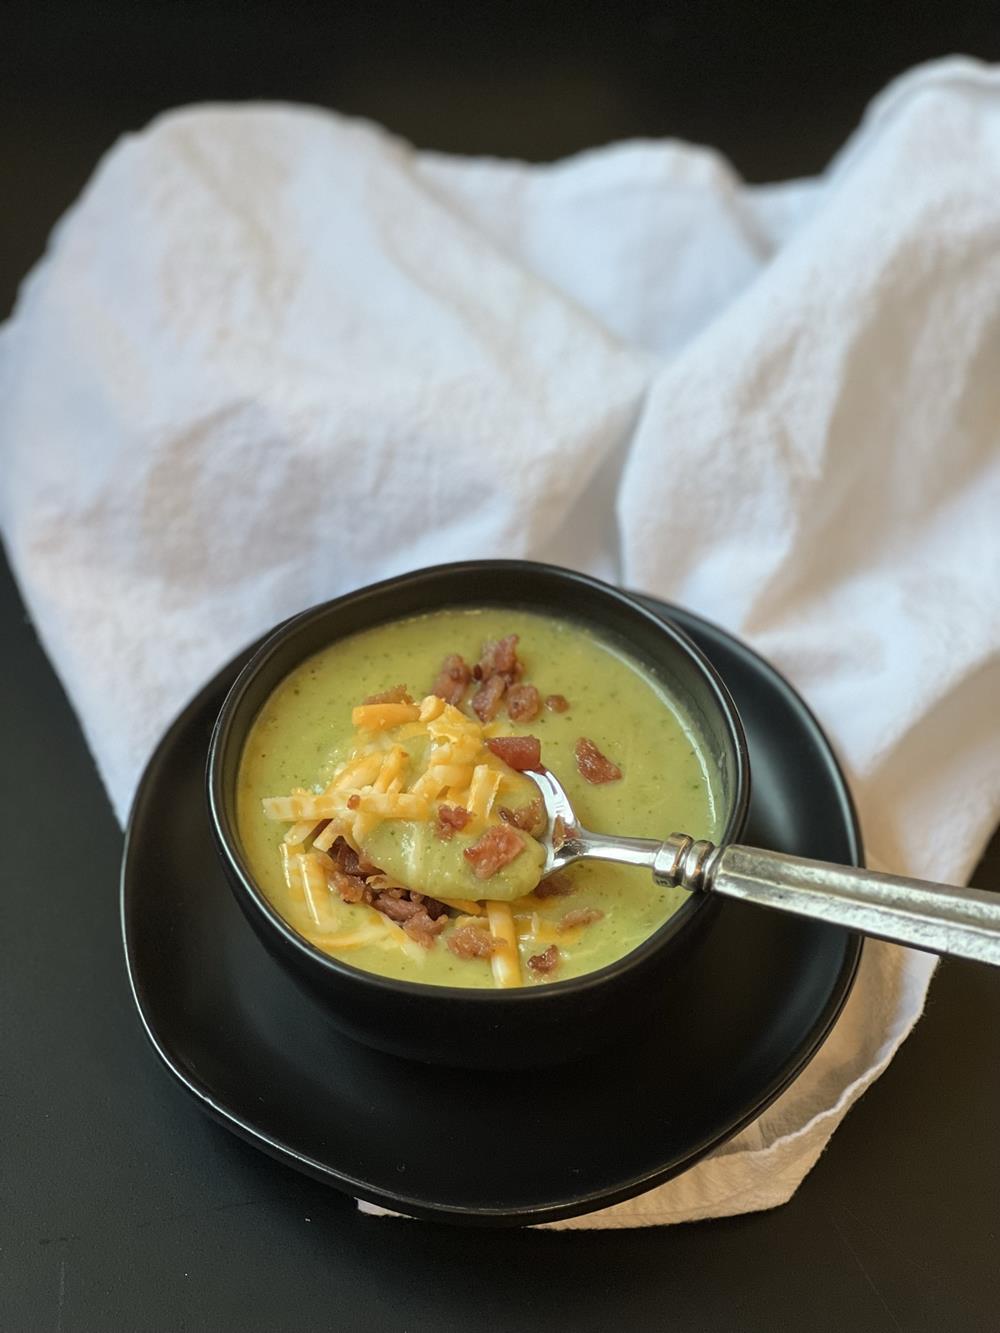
{"x": 936, "y": 917}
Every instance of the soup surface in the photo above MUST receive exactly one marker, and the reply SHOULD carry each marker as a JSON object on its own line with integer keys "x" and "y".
{"x": 342, "y": 884}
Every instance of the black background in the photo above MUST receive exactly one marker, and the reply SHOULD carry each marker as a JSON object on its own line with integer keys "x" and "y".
{"x": 121, "y": 1206}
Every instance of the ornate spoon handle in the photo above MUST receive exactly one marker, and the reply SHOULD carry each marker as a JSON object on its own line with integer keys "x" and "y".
{"x": 936, "y": 917}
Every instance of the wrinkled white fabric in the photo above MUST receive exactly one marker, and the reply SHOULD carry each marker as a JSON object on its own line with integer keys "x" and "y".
{"x": 272, "y": 354}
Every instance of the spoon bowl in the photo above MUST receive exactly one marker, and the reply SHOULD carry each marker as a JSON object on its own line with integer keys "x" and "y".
{"x": 565, "y": 840}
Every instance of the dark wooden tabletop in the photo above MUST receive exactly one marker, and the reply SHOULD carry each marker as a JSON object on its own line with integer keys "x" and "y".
{"x": 121, "y": 1206}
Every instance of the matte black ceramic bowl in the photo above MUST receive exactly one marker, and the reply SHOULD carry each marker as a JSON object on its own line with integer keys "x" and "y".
{"x": 536, "y": 1025}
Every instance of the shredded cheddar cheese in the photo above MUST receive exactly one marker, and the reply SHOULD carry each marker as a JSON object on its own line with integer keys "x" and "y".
{"x": 377, "y": 717}
{"x": 431, "y": 707}
{"x": 538, "y": 932}
{"x": 378, "y": 780}
{"x": 326, "y": 837}
{"x": 483, "y": 790}
{"x": 465, "y": 905}
{"x": 505, "y": 959}
{"x": 313, "y": 882}
{"x": 357, "y": 772}
{"x": 288, "y": 865}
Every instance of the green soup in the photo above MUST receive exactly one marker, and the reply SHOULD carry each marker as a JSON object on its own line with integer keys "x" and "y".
{"x": 304, "y": 732}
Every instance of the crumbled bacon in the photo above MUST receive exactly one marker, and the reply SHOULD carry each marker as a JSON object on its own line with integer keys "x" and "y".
{"x": 594, "y": 766}
{"x": 424, "y": 928}
{"x": 498, "y": 671}
{"x": 524, "y": 703}
{"x": 351, "y": 888}
{"x": 450, "y": 818}
{"x": 520, "y": 752}
{"x": 545, "y": 962}
{"x": 358, "y": 881}
{"x": 487, "y": 699}
{"x": 557, "y": 703}
{"x": 530, "y": 817}
{"x": 347, "y": 874}
{"x": 556, "y": 885}
{"x": 395, "y": 906}
{"x": 398, "y": 694}
{"x": 452, "y": 680}
{"x": 580, "y": 916}
{"x": 348, "y": 860}
{"x": 499, "y": 658}
{"x": 470, "y": 942}
{"x": 404, "y": 905}
{"x": 498, "y": 846}
{"x": 353, "y": 801}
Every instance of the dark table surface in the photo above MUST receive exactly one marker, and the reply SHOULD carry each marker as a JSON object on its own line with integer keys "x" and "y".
{"x": 121, "y": 1206}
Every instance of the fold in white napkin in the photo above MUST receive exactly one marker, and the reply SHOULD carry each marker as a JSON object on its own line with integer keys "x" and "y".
{"x": 273, "y": 354}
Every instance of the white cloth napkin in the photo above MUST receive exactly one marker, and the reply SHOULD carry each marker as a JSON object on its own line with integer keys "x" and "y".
{"x": 272, "y": 354}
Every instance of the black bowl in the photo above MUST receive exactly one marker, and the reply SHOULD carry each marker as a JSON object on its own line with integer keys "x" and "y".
{"x": 447, "y": 1024}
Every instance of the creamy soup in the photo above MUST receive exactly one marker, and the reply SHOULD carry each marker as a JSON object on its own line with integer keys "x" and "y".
{"x": 383, "y": 810}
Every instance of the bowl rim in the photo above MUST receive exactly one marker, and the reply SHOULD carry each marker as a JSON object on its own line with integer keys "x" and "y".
{"x": 553, "y": 992}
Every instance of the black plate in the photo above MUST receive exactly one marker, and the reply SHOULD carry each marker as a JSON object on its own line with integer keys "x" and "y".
{"x": 737, "y": 1022}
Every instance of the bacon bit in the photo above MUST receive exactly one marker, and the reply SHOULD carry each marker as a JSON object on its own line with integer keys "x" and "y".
{"x": 556, "y": 885}
{"x": 470, "y": 942}
{"x": 524, "y": 703}
{"x": 519, "y": 752}
{"x": 424, "y": 928}
{"x": 498, "y": 846}
{"x": 398, "y": 694}
{"x": 557, "y": 703}
{"x": 545, "y": 962}
{"x": 353, "y": 801}
{"x": 450, "y": 818}
{"x": 404, "y": 906}
{"x": 499, "y": 658}
{"x": 348, "y": 873}
{"x": 486, "y": 700}
{"x": 351, "y": 888}
{"x": 348, "y": 860}
{"x": 530, "y": 818}
{"x": 580, "y": 916}
{"x": 395, "y": 907}
{"x": 452, "y": 680}
{"x": 594, "y": 766}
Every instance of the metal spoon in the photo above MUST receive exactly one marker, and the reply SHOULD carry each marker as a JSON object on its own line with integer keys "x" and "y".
{"x": 936, "y": 917}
